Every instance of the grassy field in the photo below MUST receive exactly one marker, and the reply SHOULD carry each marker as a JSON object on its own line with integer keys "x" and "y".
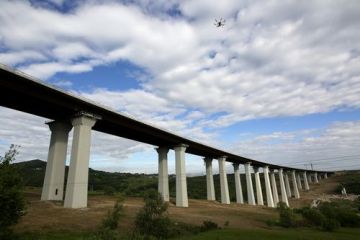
{"x": 50, "y": 221}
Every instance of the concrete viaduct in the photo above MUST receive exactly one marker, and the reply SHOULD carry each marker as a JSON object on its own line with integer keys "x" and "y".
{"x": 24, "y": 93}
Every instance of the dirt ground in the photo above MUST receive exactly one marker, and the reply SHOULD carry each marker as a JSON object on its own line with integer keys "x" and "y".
{"x": 51, "y": 216}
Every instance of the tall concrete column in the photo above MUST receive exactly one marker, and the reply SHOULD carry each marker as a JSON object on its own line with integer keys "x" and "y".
{"x": 77, "y": 182}
{"x": 295, "y": 186}
{"x": 284, "y": 197}
{"x": 181, "y": 186}
{"x": 269, "y": 197}
{"x": 310, "y": 177}
{"x": 53, "y": 188}
{"x": 274, "y": 188}
{"x": 249, "y": 185}
{"x": 319, "y": 177}
{"x": 316, "y": 177}
{"x": 298, "y": 180}
{"x": 287, "y": 184}
{"x": 259, "y": 196}
{"x": 225, "y": 199}
{"x": 306, "y": 182}
{"x": 163, "y": 177}
{"x": 325, "y": 176}
{"x": 209, "y": 180}
{"x": 238, "y": 188}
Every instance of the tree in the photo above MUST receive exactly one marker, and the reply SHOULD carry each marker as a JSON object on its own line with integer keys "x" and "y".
{"x": 12, "y": 202}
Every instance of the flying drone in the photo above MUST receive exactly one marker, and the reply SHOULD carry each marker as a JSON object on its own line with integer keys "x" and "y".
{"x": 220, "y": 23}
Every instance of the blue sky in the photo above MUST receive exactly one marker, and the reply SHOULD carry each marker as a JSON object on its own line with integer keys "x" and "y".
{"x": 275, "y": 83}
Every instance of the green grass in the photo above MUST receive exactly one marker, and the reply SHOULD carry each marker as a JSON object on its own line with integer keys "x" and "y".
{"x": 278, "y": 234}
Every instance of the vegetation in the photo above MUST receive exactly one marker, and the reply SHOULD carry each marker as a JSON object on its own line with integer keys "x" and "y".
{"x": 12, "y": 202}
{"x": 351, "y": 182}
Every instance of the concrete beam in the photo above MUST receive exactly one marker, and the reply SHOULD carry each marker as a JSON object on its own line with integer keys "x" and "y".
{"x": 53, "y": 187}
{"x": 77, "y": 183}
{"x": 249, "y": 185}
{"x": 163, "y": 177}
{"x": 295, "y": 185}
{"x": 274, "y": 187}
{"x": 209, "y": 180}
{"x": 225, "y": 199}
{"x": 181, "y": 185}
{"x": 284, "y": 197}
{"x": 269, "y": 196}
{"x": 238, "y": 188}
{"x": 259, "y": 196}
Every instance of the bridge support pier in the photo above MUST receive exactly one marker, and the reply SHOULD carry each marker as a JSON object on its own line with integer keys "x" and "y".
{"x": 310, "y": 178}
{"x": 298, "y": 180}
{"x": 77, "y": 182}
{"x": 238, "y": 188}
{"x": 287, "y": 184}
{"x": 325, "y": 176}
{"x": 259, "y": 196}
{"x": 295, "y": 185}
{"x": 316, "y": 177}
{"x": 284, "y": 197}
{"x": 163, "y": 177}
{"x": 269, "y": 196}
{"x": 225, "y": 199}
{"x": 274, "y": 188}
{"x": 53, "y": 187}
{"x": 209, "y": 180}
{"x": 306, "y": 182}
{"x": 249, "y": 185}
{"x": 181, "y": 185}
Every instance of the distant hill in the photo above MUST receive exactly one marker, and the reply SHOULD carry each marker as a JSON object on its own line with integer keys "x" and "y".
{"x": 135, "y": 185}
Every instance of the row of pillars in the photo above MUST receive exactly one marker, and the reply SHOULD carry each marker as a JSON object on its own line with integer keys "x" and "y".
{"x": 77, "y": 181}
{"x": 272, "y": 196}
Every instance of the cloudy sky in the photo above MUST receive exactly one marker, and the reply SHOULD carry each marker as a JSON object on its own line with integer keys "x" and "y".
{"x": 280, "y": 82}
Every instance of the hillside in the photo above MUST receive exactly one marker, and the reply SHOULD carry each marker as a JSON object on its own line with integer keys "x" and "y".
{"x": 129, "y": 184}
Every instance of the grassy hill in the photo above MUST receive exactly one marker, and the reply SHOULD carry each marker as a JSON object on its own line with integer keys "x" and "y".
{"x": 133, "y": 185}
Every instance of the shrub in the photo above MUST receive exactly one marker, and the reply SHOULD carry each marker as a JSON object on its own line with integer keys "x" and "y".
{"x": 110, "y": 223}
{"x": 108, "y": 190}
{"x": 12, "y": 202}
{"x": 208, "y": 225}
{"x": 313, "y": 216}
{"x": 287, "y": 216}
{"x": 152, "y": 219}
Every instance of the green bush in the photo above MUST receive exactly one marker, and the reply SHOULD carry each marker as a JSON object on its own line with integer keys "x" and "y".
{"x": 108, "y": 229}
{"x": 12, "y": 202}
{"x": 108, "y": 190}
{"x": 209, "y": 225}
{"x": 287, "y": 216}
{"x": 152, "y": 220}
{"x": 313, "y": 216}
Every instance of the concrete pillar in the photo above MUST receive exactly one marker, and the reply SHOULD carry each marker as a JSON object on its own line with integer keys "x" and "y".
{"x": 163, "y": 177}
{"x": 298, "y": 180}
{"x": 77, "y": 182}
{"x": 269, "y": 196}
{"x": 53, "y": 188}
{"x": 284, "y": 198}
{"x": 310, "y": 178}
{"x": 181, "y": 186}
{"x": 225, "y": 199}
{"x": 319, "y": 177}
{"x": 259, "y": 196}
{"x": 316, "y": 177}
{"x": 274, "y": 188}
{"x": 325, "y": 176}
{"x": 306, "y": 182}
{"x": 249, "y": 185}
{"x": 295, "y": 186}
{"x": 238, "y": 188}
{"x": 209, "y": 180}
{"x": 287, "y": 184}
